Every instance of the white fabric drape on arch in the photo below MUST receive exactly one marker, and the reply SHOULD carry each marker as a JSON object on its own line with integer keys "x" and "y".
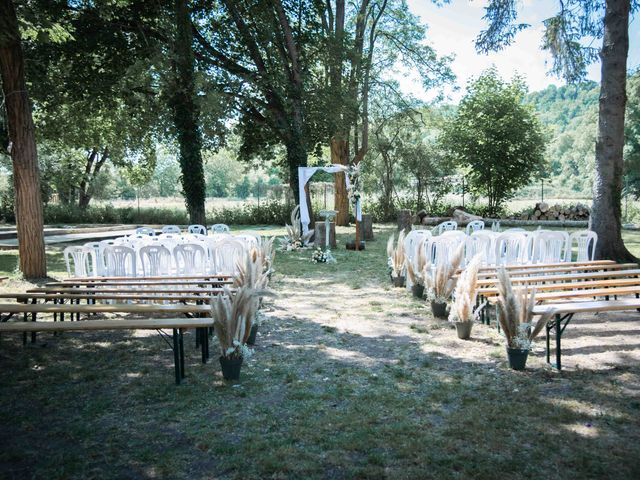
{"x": 304, "y": 174}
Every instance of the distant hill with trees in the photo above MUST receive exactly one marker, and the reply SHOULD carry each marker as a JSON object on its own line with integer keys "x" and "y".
{"x": 570, "y": 115}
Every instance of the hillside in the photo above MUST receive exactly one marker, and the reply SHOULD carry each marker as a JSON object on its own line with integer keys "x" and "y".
{"x": 570, "y": 114}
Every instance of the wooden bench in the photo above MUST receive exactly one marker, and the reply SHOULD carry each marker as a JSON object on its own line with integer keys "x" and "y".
{"x": 573, "y": 277}
{"x": 74, "y": 296}
{"x": 149, "y": 278}
{"x": 142, "y": 283}
{"x": 564, "y": 269}
{"x": 177, "y": 325}
{"x": 564, "y": 312}
{"x": 614, "y": 282}
{"x": 544, "y": 265}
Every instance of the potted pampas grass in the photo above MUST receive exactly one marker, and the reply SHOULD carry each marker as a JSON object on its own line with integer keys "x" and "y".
{"x": 252, "y": 274}
{"x": 463, "y": 309}
{"x": 396, "y": 259}
{"x": 515, "y": 314}
{"x": 233, "y": 316}
{"x": 295, "y": 239}
{"x": 267, "y": 251}
{"x": 441, "y": 282}
{"x": 416, "y": 270}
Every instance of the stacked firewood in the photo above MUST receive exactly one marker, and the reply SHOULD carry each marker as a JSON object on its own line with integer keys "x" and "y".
{"x": 544, "y": 211}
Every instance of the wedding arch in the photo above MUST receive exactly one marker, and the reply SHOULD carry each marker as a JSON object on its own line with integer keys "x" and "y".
{"x": 305, "y": 174}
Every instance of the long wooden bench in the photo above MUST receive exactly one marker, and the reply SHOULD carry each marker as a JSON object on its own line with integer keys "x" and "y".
{"x": 564, "y": 312}
{"x": 139, "y": 283}
{"x": 163, "y": 277}
{"x": 177, "y": 325}
{"x": 61, "y": 297}
{"x": 563, "y": 269}
{"x": 543, "y": 265}
{"x": 574, "y": 277}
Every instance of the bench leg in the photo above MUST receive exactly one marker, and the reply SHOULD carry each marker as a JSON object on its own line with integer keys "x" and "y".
{"x": 182, "y": 373}
{"x": 176, "y": 356}
{"x": 548, "y": 327}
{"x": 33, "y": 334}
{"x": 558, "y": 344}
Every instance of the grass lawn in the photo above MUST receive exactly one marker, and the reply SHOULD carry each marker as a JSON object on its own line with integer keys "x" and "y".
{"x": 350, "y": 379}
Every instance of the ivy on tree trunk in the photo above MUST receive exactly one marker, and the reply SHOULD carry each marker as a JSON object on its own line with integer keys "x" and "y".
{"x": 186, "y": 116}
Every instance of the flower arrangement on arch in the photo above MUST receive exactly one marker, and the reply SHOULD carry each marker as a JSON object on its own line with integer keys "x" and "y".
{"x": 354, "y": 191}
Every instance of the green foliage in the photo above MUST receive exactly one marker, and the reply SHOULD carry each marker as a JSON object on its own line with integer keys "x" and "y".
{"x": 632, "y": 137}
{"x": 496, "y": 138}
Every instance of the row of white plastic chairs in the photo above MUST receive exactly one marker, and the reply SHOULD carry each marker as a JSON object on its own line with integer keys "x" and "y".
{"x": 513, "y": 246}
{"x": 218, "y": 228}
{"x": 162, "y": 255}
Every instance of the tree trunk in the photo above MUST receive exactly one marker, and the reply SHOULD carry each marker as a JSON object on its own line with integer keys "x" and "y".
{"x": 26, "y": 175}
{"x": 606, "y": 212}
{"x": 340, "y": 156}
{"x": 186, "y": 116}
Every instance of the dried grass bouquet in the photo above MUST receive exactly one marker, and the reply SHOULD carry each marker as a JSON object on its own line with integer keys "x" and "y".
{"x": 465, "y": 296}
{"x": 396, "y": 255}
{"x": 515, "y": 313}
{"x": 441, "y": 282}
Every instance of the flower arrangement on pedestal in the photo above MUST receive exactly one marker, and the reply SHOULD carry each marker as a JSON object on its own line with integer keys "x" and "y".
{"x": 319, "y": 256}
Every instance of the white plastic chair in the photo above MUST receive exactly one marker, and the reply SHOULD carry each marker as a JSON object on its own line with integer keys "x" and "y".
{"x": 220, "y": 228}
{"x": 97, "y": 258}
{"x": 412, "y": 240}
{"x": 146, "y": 231}
{"x": 82, "y": 262}
{"x": 474, "y": 226}
{"x": 550, "y": 247}
{"x": 586, "y": 241}
{"x": 225, "y": 255}
{"x": 200, "y": 229}
{"x": 446, "y": 226}
{"x": 190, "y": 259}
{"x": 249, "y": 241}
{"x": 155, "y": 261}
{"x": 442, "y": 248}
{"x": 171, "y": 229}
{"x": 120, "y": 261}
{"x": 511, "y": 248}
{"x": 477, "y": 245}
{"x": 459, "y": 234}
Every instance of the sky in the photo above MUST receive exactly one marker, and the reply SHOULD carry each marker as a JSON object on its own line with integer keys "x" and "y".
{"x": 452, "y": 29}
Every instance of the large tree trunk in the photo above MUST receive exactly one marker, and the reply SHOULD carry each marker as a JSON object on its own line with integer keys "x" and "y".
{"x": 606, "y": 213}
{"x": 340, "y": 156}
{"x": 26, "y": 175}
{"x": 186, "y": 116}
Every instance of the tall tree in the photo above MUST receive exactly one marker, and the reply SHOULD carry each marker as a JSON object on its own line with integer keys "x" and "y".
{"x": 22, "y": 147}
{"x": 186, "y": 115}
{"x": 262, "y": 61}
{"x": 365, "y": 40}
{"x": 575, "y": 19}
{"x": 496, "y": 137}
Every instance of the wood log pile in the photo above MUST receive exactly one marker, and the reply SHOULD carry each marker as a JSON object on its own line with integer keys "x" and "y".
{"x": 544, "y": 211}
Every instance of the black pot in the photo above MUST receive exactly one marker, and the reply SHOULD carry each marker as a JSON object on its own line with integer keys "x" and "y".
{"x": 439, "y": 309}
{"x": 252, "y": 334}
{"x": 417, "y": 290}
{"x": 398, "y": 281}
{"x": 231, "y": 368}
{"x": 464, "y": 330}
{"x": 517, "y": 357}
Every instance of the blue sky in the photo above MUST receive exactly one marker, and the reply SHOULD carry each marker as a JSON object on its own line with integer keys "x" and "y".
{"x": 453, "y": 28}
